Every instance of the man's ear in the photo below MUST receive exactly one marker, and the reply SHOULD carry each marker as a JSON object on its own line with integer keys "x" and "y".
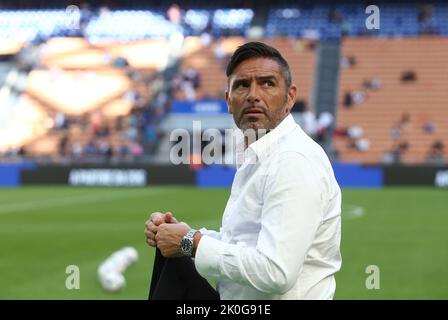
{"x": 292, "y": 96}
{"x": 229, "y": 106}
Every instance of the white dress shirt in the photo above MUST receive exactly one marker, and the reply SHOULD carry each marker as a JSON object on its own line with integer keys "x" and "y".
{"x": 281, "y": 228}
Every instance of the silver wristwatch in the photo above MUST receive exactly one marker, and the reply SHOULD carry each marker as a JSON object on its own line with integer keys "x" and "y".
{"x": 186, "y": 244}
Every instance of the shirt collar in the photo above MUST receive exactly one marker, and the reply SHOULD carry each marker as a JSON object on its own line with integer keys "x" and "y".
{"x": 262, "y": 147}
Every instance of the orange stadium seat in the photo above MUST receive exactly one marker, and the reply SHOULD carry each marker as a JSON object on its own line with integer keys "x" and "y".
{"x": 424, "y": 99}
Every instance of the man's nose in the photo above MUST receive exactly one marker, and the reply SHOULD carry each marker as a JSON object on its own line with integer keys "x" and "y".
{"x": 253, "y": 95}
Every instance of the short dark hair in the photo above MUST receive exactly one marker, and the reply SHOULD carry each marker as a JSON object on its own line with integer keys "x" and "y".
{"x": 258, "y": 50}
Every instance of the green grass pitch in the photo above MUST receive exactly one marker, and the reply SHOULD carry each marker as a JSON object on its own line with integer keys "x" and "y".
{"x": 403, "y": 231}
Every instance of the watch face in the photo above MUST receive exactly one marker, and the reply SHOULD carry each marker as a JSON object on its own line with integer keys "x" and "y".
{"x": 186, "y": 246}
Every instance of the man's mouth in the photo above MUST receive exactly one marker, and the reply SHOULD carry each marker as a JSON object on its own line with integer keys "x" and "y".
{"x": 253, "y": 112}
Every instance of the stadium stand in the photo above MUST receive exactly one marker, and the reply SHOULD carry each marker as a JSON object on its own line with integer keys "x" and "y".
{"x": 423, "y": 99}
{"x": 299, "y": 53}
{"x": 330, "y": 21}
{"x": 112, "y": 87}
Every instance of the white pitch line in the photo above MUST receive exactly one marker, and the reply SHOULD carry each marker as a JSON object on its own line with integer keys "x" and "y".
{"x": 90, "y": 198}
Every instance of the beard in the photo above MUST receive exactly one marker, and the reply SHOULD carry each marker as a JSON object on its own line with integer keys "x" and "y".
{"x": 263, "y": 121}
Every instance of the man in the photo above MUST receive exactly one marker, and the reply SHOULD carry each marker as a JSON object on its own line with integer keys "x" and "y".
{"x": 281, "y": 228}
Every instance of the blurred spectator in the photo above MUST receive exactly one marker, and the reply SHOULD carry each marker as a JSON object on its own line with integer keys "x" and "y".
{"x": 59, "y": 121}
{"x": 90, "y": 148}
{"x": 28, "y": 57}
{"x": 12, "y": 152}
{"x": 96, "y": 122}
{"x": 119, "y": 123}
{"x": 395, "y": 154}
{"x": 340, "y": 132}
{"x": 221, "y": 56}
{"x": 133, "y": 120}
{"x": 348, "y": 62}
{"x": 86, "y": 15}
{"x": 373, "y": 83}
{"x": 358, "y": 97}
{"x": 403, "y": 146}
{"x": 355, "y": 132}
{"x": 309, "y": 123}
{"x": 219, "y": 52}
{"x": 408, "y": 76}
{"x": 189, "y": 92}
{"x": 120, "y": 62}
{"x": 151, "y": 137}
{"x": 389, "y": 157}
{"x": 206, "y": 38}
{"x": 161, "y": 103}
{"x": 135, "y": 75}
{"x": 400, "y": 129}
{"x": 193, "y": 76}
{"x": 105, "y": 149}
{"x": 188, "y": 80}
{"x": 132, "y": 133}
{"x": 404, "y": 120}
{"x": 352, "y": 132}
{"x": 334, "y": 16}
{"x": 62, "y": 147}
{"x": 299, "y": 106}
{"x": 361, "y": 145}
{"x": 395, "y": 133}
{"x": 323, "y": 123}
{"x": 84, "y": 121}
{"x": 103, "y": 131}
{"x": 428, "y": 127}
{"x": 76, "y": 150}
{"x": 354, "y": 97}
{"x": 131, "y": 95}
{"x": 424, "y": 13}
{"x": 346, "y": 28}
{"x": 22, "y": 152}
{"x": 155, "y": 84}
{"x": 436, "y": 154}
{"x": 334, "y": 154}
{"x": 103, "y": 10}
{"x": 427, "y": 28}
{"x": 298, "y": 45}
{"x": 311, "y": 46}
{"x": 122, "y": 150}
{"x": 174, "y": 14}
{"x": 136, "y": 150}
{"x": 348, "y": 101}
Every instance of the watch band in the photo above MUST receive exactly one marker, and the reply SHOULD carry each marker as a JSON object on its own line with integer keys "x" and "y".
{"x": 187, "y": 243}
{"x": 190, "y": 234}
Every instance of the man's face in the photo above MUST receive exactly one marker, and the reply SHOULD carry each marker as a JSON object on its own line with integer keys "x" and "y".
{"x": 257, "y": 95}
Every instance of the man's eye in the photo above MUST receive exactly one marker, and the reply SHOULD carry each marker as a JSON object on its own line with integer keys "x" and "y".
{"x": 241, "y": 85}
{"x": 268, "y": 83}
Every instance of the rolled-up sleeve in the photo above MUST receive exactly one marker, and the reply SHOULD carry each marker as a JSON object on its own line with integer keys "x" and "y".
{"x": 291, "y": 214}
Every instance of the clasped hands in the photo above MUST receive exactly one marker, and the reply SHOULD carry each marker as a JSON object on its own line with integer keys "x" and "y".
{"x": 163, "y": 231}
